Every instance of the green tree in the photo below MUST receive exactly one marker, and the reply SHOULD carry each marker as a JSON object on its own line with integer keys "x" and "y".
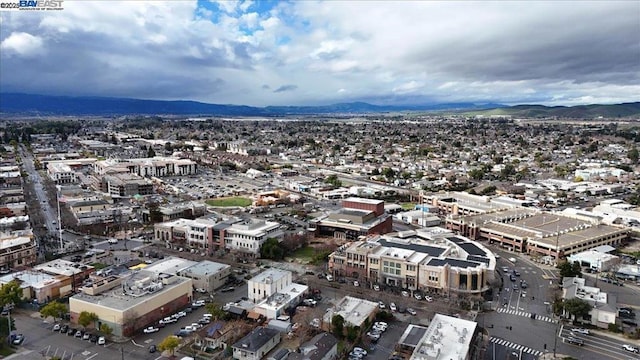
{"x": 85, "y": 318}
{"x": 577, "y": 307}
{"x": 54, "y": 309}
{"x": 105, "y": 329}
{"x": 10, "y": 293}
{"x": 568, "y": 269}
{"x": 150, "y": 152}
{"x": 333, "y": 180}
{"x": 169, "y": 343}
{"x": 633, "y": 155}
{"x": 476, "y": 174}
{"x": 215, "y": 310}
{"x": 271, "y": 249}
{"x": 352, "y": 333}
{"x": 388, "y": 173}
{"x": 337, "y": 322}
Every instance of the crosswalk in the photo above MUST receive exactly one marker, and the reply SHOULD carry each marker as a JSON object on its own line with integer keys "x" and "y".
{"x": 516, "y": 347}
{"x": 526, "y": 314}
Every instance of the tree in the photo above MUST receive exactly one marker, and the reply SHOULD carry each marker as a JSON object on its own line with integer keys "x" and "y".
{"x": 105, "y": 329}
{"x": 10, "y": 293}
{"x": 54, "y": 309}
{"x": 337, "y": 322}
{"x": 577, "y": 307}
{"x": 85, "y": 318}
{"x": 570, "y": 270}
{"x": 151, "y": 153}
{"x": 633, "y": 155}
{"x": 333, "y": 180}
{"x": 271, "y": 249}
{"x": 169, "y": 343}
{"x": 215, "y": 310}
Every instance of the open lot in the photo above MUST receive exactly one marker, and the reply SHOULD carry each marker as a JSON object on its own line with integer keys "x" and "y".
{"x": 230, "y": 201}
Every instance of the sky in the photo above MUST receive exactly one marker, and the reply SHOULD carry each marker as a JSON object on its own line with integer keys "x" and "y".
{"x": 308, "y": 52}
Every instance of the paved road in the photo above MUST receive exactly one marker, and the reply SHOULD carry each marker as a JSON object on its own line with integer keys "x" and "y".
{"x": 38, "y": 184}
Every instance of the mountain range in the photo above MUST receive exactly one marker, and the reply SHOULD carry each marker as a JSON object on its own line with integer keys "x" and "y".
{"x": 49, "y": 105}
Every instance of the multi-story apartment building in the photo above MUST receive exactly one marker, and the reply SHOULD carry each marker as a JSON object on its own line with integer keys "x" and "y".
{"x": 126, "y": 185}
{"x": 246, "y": 237}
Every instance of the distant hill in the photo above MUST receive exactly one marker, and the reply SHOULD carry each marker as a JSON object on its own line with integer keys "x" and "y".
{"x": 576, "y": 112}
{"x": 44, "y": 105}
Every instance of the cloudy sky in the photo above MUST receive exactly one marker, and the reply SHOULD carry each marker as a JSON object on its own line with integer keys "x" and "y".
{"x": 321, "y": 52}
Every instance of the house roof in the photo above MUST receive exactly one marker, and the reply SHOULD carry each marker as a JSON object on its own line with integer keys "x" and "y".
{"x": 256, "y": 339}
{"x": 316, "y": 348}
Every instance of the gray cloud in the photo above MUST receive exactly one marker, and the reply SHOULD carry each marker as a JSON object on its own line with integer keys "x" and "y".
{"x": 285, "y": 88}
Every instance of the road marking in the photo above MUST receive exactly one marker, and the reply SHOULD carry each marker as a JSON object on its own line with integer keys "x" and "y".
{"x": 92, "y": 356}
{"x": 149, "y": 341}
{"x": 515, "y": 346}
{"x": 86, "y": 353}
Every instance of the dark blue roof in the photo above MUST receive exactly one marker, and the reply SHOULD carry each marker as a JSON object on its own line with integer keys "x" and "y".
{"x": 481, "y": 259}
{"x": 214, "y": 327}
{"x": 453, "y": 262}
{"x": 472, "y": 249}
{"x": 430, "y": 250}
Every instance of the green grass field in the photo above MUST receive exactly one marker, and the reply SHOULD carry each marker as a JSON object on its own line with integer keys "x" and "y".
{"x": 306, "y": 252}
{"x": 408, "y": 206}
{"x": 230, "y": 201}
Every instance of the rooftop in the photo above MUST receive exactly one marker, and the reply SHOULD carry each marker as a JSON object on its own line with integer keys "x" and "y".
{"x": 270, "y": 275}
{"x": 137, "y": 288}
{"x": 33, "y": 279}
{"x": 446, "y": 338}
{"x": 365, "y": 201}
{"x": 205, "y": 267}
{"x": 412, "y": 335}
{"x": 283, "y": 297}
{"x": 353, "y": 310}
{"x": 171, "y": 265}
{"x": 62, "y": 267}
{"x": 256, "y": 339}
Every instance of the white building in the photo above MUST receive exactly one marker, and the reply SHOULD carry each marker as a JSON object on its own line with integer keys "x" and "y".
{"x": 446, "y": 338}
{"x": 268, "y": 283}
{"x": 61, "y": 173}
{"x": 595, "y": 260}
{"x": 604, "y": 307}
{"x": 247, "y": 237}
{"x": 353, "y": 310}
{"x": 277, "y": 304}
{"x": 158, "y": 166}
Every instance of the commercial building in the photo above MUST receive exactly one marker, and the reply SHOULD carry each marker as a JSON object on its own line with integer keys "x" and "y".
{"x": 148, "y": 167}
{"x": 207, "y": 275}
{"x": 595, "y": 260}
{"x": 431, "y": 260}
{"x": 39, "y": 287}
{"x": 126, "y": 185}
{"x": 603, "y": 306}
{"x": 462, "y": 203}
{"x": 63, "y": 268}
{"x": 447, "y": 338}
{"x": 245, "y": 238}
{"x": 278, "y": 303}
{"x": 357, "y": 217}
{"x": 353, "y": 310}
{"x": 410, "y": 338}
{"x": 17, "y": 249}
{"x": 132, "y": 301}
{"x": 539, "y": 233}
{"x": 256, "y": 344}
{"x": 267, "y": 283}
{"x": 170, "y": 265}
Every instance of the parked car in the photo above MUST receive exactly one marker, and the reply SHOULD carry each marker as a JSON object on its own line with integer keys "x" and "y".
{"x": 151, "y": 330}
{"x": 79, "y": 334}
{"x": 359, "y": 350}
{"x": 201, "y": 290}
{"x": 376, "y": 287}
{"x": 18, "y": 340}
{"x": 356, "y": 283}
{"x": 86, "y": 336}
{"x": 417, "y": 296}
{"x": 405, "y": 293}
{"x": 411, "y": 311}
{"x": 381, "y": 305}
{"x": 56, "y": 327}
{"x": 64, "y": 328}
{"x": 71, "y": 332}
{"x": 228, "y": 289}
{"x": 428, "y": 298}
{"x": 152, "y": 349}
{"x": 102, "y": 340}
{"x": 393, "y": 307}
